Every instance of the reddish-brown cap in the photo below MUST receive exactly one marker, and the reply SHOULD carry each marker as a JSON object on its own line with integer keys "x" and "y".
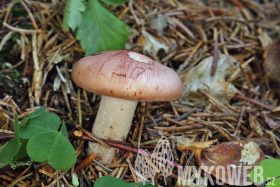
{"x": 128, "y": 75}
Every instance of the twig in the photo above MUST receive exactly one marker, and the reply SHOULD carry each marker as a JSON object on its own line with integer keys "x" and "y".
{"x": 254, "y": 102}
{"x": 25, "y": 31}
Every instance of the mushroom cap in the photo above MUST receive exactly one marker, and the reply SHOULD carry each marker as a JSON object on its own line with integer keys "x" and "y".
{"x": 128, "y": 75}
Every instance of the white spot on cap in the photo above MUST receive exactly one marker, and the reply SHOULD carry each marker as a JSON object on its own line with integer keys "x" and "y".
{"x": 140, "y": 58}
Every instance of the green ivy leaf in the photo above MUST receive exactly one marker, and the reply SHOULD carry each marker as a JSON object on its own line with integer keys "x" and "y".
{"x": 52, "y": 147}
{"x": 46, "y": 122}
{"x": 271, "y": 168}
{"x": 73, "y": 14}
{"x": 110, "y": 181}
{"x": 115, "y": 2}
{"x": 100, "y": 30}
{"x": 34, "y": 114}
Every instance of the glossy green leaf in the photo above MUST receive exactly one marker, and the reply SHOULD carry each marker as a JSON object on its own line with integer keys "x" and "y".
{"x": 270, "y": 168}
{"x": 52, "y": 147}
{"x": 63, "y": 131}
{"x": 17, "y": 129}
{"x": 46, "y": 122}
{"x": 9, "y": 150}
{"x": 34, "y": 114}
{"x": 73, "y": 14}
{"x": 110, "y": 181}
{"x": 100, "y": 30}
{"x": 3, "y": 164}
{"x": 22, "y": 153}
{"x": 115, "y": 2}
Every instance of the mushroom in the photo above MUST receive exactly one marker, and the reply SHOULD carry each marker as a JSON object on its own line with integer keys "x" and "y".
{"x": 123, "y": 78}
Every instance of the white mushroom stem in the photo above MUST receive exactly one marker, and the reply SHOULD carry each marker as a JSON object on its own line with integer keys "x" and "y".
{"x": 112, "y": 122}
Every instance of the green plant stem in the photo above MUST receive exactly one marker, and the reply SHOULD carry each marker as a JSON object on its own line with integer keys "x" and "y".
{"x": 20, "y": 179}
{"x": 57, "y": 179}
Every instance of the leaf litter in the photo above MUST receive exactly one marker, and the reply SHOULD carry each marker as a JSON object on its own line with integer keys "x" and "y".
{"x": 179, "y": 34}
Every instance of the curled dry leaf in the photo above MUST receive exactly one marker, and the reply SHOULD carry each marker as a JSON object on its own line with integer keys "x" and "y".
{"x": 182, "y": 140}
{"x": 231, "y": 160}
{"x": 151, "y": 45}
{"x": 78, "y": 133}
{"x": 191, "y": 146}
{"x": 159, "y": 23}
{"x": 265, "y": 39}
{"x": 254, "y": 124}
{"x": 200, "y": 77}
{"x": 276, "y": 112}
{"x": 269, "y": 121}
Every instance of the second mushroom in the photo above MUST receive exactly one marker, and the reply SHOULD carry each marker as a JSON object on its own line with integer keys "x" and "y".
{"x": 123, "y": 78}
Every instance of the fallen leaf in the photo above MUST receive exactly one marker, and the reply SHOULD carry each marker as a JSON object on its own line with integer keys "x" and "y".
{"x": 254, "y": 124}
{"x": 269, "y": 121}
{"x": 230, "y": 160}
{"x": 199, "y": 77}
{"x": 195, "y": 145}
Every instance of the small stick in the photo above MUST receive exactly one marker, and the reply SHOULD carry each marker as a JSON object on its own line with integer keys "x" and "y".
{"x": 123, "y": 174}
{"x": 215, "y": 57}
{"x": 120, "y": 172}
{"x": 272, "y": 137}
{"x": 87, "y": 102}
{"x": 246, "y": 78}
{"x": 174, "y": 110}
{"x": 64, "y": 92}
{"x": 66, "y": 182}
{"x": 29, "y": 14}
{"x": 213, "y": 126}
{"x": 133, "y": 12}
{"x": 140, "y": 132}
{"x": 93, "y": 172}
{"x": 183, "y": 27}
{"x": 8, "y": 12}
{"x": 131, "y": 169}
{"x": 173, "y": 121}
{"x": 135, "y": 130}
{"x": 20, "y": 179}
{"x": 182, "y": 66}
{"x": 213, "y": 99}
{"x": 174, "y": 148}
{"x": 239, "y": 121}
{"x": 254, "y": 102}
{"x": 26, "y": 31}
